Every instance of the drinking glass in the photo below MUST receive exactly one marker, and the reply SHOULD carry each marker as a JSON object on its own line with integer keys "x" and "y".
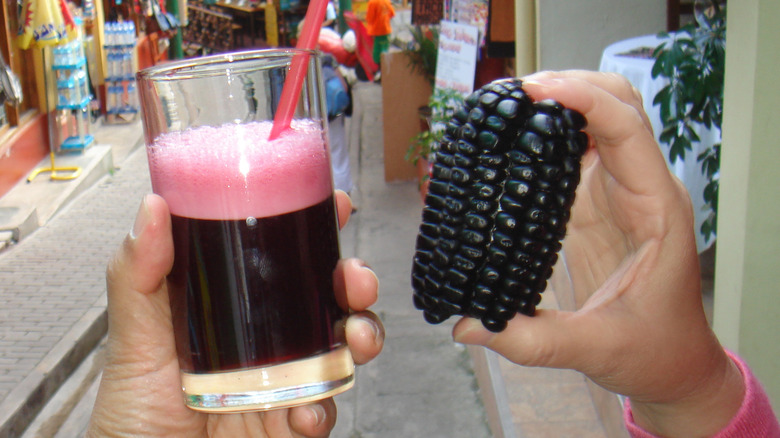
{"x": 256, "y": 319}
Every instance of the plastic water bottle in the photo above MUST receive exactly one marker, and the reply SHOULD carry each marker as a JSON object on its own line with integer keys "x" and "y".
{"x": 89, "y": 9}
{"x": 75, "y": 89}
{"x": 127, "y": 64}
{"x": 132, "y": 97}
{"x": 57, "y": 53}
{"x": 111, "y": 34}
{"x": 83, "y": 88}
{"x": 110, "y": 62}
{"x": 111, "y": 105}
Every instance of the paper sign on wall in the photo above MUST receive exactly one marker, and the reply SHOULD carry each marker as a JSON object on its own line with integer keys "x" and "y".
{"x": 456, "y": 62}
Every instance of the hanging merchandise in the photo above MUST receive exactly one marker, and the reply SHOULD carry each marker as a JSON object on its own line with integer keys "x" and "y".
{"x": 121, "y": 95}
{"x": 163, "y": 20}
{"x": 45, "y": 23}
{"x": 9, "y": 82}
{"x": 173, "y": 22}
{"x": 160, "y": 17}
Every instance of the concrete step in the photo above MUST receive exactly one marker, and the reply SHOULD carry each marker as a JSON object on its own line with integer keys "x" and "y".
{"x": 6, "y": 239}
{"x": 30, "y": 204}
{"x": 68, "y": 411}
{"x": 16, "y": 221}
{"x": 25, "y": 402}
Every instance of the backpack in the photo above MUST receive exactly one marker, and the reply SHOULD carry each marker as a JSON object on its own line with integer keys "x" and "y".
{"x": 337, "y": 98}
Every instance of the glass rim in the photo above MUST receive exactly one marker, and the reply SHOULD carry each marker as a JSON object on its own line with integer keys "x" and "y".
{"x": 191, "y": 67}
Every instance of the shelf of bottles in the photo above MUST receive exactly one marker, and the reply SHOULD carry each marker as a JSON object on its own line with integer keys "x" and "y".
{"x": 121, "y": 97}
{"x": 73, "y": 96}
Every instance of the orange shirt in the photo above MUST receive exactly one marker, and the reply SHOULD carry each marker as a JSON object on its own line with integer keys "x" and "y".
{"x": 378, "y": 17}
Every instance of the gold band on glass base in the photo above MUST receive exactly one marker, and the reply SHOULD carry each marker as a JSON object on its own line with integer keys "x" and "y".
{"x": 277, "y": 386}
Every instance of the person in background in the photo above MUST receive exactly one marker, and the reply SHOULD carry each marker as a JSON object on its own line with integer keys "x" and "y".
{"x": 339, "y": 103}
{"x": 338, "y": 99}
{"x": 378, "y": 26}
{"x": 330, "y": 16}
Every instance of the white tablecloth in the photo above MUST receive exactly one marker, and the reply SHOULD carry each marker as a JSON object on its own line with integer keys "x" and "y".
{"x": 638, "y": 72}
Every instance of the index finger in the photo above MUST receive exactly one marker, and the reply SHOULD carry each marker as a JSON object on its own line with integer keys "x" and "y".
{"x": 613, "y": 83}
{"x": 626, "y": 145}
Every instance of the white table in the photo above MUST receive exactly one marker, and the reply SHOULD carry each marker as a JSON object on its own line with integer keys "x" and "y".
{"x": 638, "y": 71}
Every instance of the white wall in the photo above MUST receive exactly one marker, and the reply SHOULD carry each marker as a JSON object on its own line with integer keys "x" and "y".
{"x": 747, "y": 296}
{"x": 573, "y": 33}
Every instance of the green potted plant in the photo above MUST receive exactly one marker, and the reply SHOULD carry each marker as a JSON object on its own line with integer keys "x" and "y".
{"x": 422, "y": 50}
{"x": 441, "y": 107}
{"x": 694, "y": 62}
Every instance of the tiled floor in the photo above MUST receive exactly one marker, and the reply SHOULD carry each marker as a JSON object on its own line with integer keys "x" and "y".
{"x": 548, "y": 402}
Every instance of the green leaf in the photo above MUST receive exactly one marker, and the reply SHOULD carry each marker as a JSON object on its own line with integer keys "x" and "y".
{"x": 663, "y": 95}
{"x": 661, "y": 47}
{"x": 677, "y": 150}
{"x": 710, "y": 192}
{"x": 708, "y": 227}
{"x": 710, "y": 161}
{"x": 693, "y": 62}
{"x": 666, "y": 137}
{"x": 691, "y": 134}
{"x": 713, "y": 203}
{"x": 658, "y": 65}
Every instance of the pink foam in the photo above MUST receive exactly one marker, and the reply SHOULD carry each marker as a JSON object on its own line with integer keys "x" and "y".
{"x": 234, "y": 172}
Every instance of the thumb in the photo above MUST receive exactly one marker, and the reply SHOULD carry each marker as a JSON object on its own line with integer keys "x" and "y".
{"x": 551, "y": 338}
{"x": 139, "y": 314}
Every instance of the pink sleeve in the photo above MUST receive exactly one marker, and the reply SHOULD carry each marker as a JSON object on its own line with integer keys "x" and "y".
{"x": 755, "y": 417}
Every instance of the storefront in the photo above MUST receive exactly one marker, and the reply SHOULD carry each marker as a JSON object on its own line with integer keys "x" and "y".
{"x": 72, "y": 73}
{"x": 116, "y": 39}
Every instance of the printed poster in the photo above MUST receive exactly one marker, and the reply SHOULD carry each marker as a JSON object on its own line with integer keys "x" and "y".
{"x": 456, "y": 62}
{"x": 473, "y": 12}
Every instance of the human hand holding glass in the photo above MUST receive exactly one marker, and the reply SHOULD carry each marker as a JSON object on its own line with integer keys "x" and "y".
{"x": 140, "y": 391}
{"x": 257, "y": 322}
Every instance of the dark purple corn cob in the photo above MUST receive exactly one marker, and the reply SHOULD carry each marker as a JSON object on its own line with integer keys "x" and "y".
{"x": 502, "y": 187}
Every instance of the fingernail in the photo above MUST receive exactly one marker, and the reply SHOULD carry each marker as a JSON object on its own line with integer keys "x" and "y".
{"x": 364, "y": 265}
{"x": 468, "y": 331}
{"x": 532, "y": 76}
{"x": 141, "y": 219}
{"x": 541, "y": 83}
{"x": 376, "y": 330}
{"x": 319, "y": 413}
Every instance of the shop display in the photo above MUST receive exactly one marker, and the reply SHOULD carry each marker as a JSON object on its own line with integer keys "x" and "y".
{"x": 208, "y": 32}
{"x": 121, "y": 95}
{"x": 502, "y": 186}
{"x": 73, "y": 96}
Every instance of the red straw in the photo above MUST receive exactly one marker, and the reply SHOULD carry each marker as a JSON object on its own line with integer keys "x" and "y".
{"x": 315, "y": 14}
